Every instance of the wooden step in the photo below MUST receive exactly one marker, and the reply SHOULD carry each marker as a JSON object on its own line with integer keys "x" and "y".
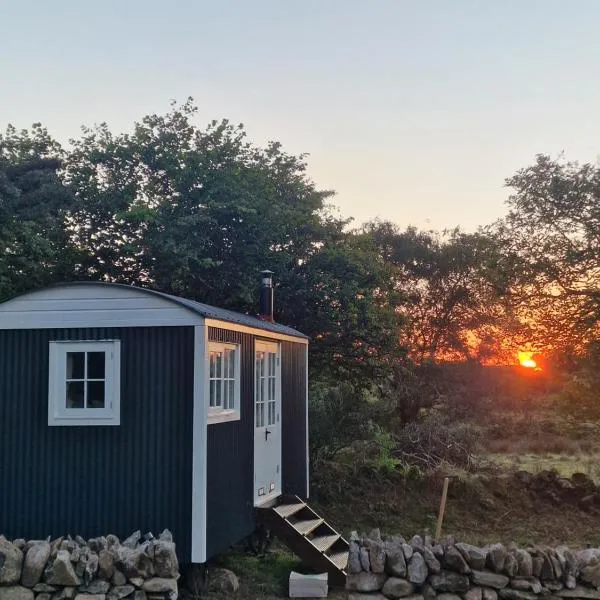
{"x": 287, "y": 510}
{"x": 340, "y": 559}
{"x": 324, "y": 542}
{"x": 305, "y": 527}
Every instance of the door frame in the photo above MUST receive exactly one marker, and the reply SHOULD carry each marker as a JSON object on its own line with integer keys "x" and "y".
{"x": 268, "y": 345}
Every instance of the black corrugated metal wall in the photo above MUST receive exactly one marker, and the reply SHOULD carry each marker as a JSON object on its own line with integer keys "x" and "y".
{"x": 97, "y": 480}
{"x": 293, "y": 419}
{"x": 230, "y": 466}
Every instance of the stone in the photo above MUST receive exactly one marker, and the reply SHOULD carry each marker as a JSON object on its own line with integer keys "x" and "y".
{"x": 66, "y": 593}
{"x": 377, "y": 557}
{"x": 524, "y": 563}
{"x": 554, "y": 586}
{"x": 43, "y": 588}
{"x": 354, "y": 565}
{"x": 447, "y": 596}
{"x": 547, "y": 571}
{"x": 475, "y": 557}
{"x": 475, "y": 593}
{"x": 139, "y": 595}
{"x": 496, "y": 557}
{"x": 556, "y": 564}
{"x": 511, "y": 566}
{"x": 135, "y": 563}
{"x": 11, "y": 562}
{"x": 570, "y": 582}
{"x": 454, "y": 560}
{"x": 365, "y": 562}
{"x": 396, "y": 587}
{"x": 90, "y": 597}
{"x": 510, "y": 594}
{"x": 137, "y": 581}
{"x": 166, "y": 536}
{"x": 80, "y": 541}
{"x": 98, "y": 586}
{"x": 408, "y": 551}
{"x": 416, "y": 543}
{"x": 162, "y": 585}
{"x": 526, "y": 584}
{"x": 105, "y": 564}
{"x": 76, "y": 554}
{"x": 428, "y": 592}
{"x": 447, "y": 581}
{"x": 489, "y": 579}
{"x": 417, "y": 569}
{"x": 580, "y": 592}
{"x": 44, "y": 596}
{"x": 364, "y": 582}
{"x": 118, "y": 578}
{"x": 585, "y": 557}
{"x": 112, "y": 541}
{"x": 438, "y": 551}
{"x": 166, "y": 563}
{"x": 489, "y": 594}
{"x": 34, "y": 563}
{"x": 433, "y": 564}
{"x": 15, "y": 592}
{"x": 133, "y": 540}
{"x": 121, "y": 591}
{"x": 61, "y": 571}
{"x": 536, "y": 565}
{"x": 90, "y": 568}
{"x": 359, "y": 596}
{"x": 375, "y": 535}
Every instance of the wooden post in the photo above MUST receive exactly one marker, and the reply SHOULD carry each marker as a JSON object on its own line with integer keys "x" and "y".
{"x": 438, "y": 529}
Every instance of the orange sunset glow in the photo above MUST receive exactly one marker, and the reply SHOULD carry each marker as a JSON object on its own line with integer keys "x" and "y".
{"x": 526, "y": 360}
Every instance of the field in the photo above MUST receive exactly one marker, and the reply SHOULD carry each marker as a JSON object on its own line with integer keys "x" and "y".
{"x": 488, "y": 502}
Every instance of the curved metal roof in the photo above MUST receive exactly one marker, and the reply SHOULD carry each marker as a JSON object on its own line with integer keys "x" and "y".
{"x": 205, "y": 310}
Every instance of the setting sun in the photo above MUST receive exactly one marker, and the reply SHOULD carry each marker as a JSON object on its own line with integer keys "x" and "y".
{"x": 526, "y": 360}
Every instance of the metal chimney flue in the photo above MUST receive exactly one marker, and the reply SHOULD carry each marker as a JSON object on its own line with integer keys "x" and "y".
{"x": 266, "y": 296}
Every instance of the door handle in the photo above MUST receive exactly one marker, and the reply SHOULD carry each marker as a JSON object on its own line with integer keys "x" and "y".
{"x": 267, "y": 432}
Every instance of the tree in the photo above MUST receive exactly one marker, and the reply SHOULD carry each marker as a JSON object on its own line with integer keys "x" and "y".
{"x": 34, "y": 204}
{"x": 199, "y": 212}
{"x": 551, "y": 241}
{"x": 451, "y": 291}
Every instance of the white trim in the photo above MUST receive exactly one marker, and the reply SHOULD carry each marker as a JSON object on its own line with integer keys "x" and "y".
{"x": 58, "y": 413}
{"x": 263, "y": 333}
{"x": 223, "y": 416}
{"x": 199, "y": 445}
{"x": 307, "y": 439}
{"x": 269, "y": 347}
{"x": 217, "y": 414}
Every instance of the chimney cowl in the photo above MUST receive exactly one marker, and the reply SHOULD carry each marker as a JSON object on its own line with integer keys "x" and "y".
{"x": 266, "y": 296}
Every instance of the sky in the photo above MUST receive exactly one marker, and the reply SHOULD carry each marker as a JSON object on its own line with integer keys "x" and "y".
{"x": 412, "y": 111}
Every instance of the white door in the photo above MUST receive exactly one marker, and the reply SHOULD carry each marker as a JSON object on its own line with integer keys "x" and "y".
{"x": 267, "y": 422}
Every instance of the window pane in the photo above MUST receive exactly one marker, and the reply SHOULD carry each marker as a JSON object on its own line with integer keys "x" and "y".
{"x": 213, "y": 358}
{"x": 75, "y": 394}
{"x": 212, "y": 393}
{"x": 262, "y": 414}
{"x": 96, "y": 362}
{"x": 256, "y": 415}
{"x": 219, "y": 365}
{"x": 75, "y": 365}
{"x": 231, "y": 394}
{"x": 218, "y": 393}
{"x": 95, "y": 394}
{"x": 231, "y": 363}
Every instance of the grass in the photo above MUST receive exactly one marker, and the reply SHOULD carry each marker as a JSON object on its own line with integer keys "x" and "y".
{"x": 565, "y": 464}
{"x": 263, "y": 577}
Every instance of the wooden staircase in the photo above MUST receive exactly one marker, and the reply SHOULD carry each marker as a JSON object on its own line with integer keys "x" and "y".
{"x": 308, "y": 535}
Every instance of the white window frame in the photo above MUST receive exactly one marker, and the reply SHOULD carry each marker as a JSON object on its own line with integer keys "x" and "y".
{"x": 58, "y": 413}
{"x": 218, "y": 414}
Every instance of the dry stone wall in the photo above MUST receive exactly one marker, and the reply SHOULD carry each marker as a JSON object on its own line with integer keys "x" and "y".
{"x": 382, "y": 568}
{"x": 102, "y": 568}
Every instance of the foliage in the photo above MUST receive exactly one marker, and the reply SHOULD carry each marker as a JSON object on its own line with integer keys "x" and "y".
{"x": 33, "y": 208}
{"x": 551, "y": 240}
